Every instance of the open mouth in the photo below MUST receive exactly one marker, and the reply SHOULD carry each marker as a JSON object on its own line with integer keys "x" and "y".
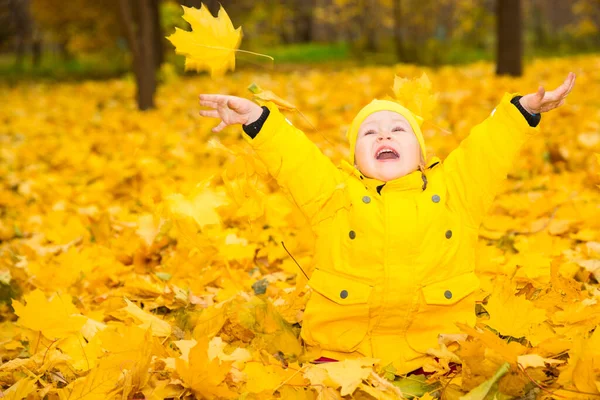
{"x": 386, "y": 153}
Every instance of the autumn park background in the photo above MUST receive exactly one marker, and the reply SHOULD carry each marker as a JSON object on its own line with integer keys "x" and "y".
{"x": 144, "y": 257}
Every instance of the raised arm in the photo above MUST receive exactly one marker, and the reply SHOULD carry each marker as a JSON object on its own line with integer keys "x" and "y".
{"x": 297, "y": 164}
{"x": 476, "y": 169}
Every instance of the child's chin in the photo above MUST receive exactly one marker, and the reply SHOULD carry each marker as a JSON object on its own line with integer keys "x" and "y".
{"x": 391, "y": 172}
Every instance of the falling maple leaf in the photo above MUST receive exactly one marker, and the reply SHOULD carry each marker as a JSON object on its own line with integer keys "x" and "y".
{"x": 211, "y": 44}
{"x": 263, "y": 96}
{"x": 416, "y": 95}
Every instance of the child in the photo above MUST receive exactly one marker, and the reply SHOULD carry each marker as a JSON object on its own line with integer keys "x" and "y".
{"x": 396, "y": 232}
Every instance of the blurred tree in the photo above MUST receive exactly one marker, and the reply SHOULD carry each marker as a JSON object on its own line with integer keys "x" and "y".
{"x": 585, "y": 26}
{"x": 212, "y": 5}
{"x": 398, "y": 36}
{"x": 84, "y": 26}
{"x": 20, "y": 26}
{"x": 369, "y": 24}
{"x": 141, "y": 23}
{"x": 303, "y": 20}
{"x": 509, "y": 39}
{"x": 89, "y": 26}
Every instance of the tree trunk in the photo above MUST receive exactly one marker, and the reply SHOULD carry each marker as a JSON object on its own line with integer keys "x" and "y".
{"x": 509, "y": 38}
{"x": 147, "y": 77}
{"x": 36, "y": 49}
{"x": 139, "y": 28}
{"x": 398, "y": 37}
{"x": 303, "y": 21}
{"x": 370, "y": 26}
{"x": 159, "y": 36}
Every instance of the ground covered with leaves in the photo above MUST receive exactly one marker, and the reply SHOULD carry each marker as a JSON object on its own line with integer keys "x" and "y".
{"x": 144, "y": 257}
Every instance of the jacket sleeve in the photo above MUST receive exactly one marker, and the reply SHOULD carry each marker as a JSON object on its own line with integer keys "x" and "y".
{"x": 300, "y": 168}
{"x": 476, "y": 169}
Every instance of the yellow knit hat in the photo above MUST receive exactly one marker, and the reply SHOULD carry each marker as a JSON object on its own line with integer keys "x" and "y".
{"x": 384, "y": 105}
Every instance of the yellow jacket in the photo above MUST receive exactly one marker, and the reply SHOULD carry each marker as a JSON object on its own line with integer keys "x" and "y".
{"x": 394, "y": 266}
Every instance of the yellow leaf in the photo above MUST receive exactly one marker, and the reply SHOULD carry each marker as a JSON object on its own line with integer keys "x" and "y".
{"x": 512, "y": 315}
{"x": 145, "y": 320}
{"x": 55, "y": 318}
{"x": 211, "y": 44}
{"x": 347, "y": 374}
{"x": 148, "y": 228}
{"x": 162, "y": 390}
{"x": 416, "y": 95}
{"x": 216, "y": 349}
{"x": 204, "y": 377}
{"x": 210, "y": 322}
{"x": 535, "y": 360}
{"x": 584, "y": 376}
{"x": 480, "y": 392}
{"x": 19, "y": 390}
{"x": 185, "y": 346}
{"x": 261, "y": 377}
{"x": 263, "y": 96}
{"x": 84, "y": 354}
{"x": 200, "y": 205}
{"x": 99, "y": 384}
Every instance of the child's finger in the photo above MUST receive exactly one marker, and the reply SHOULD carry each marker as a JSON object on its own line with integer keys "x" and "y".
{"x": 219, "y": 127}
{"x": 572, "y": 83}
{"x": 234, "y": 105}
{"x": 209, "y": 113}
{"x": 215, "y": 98}
{"x": 209, "y": 103}
{"x": 540, "y": 93}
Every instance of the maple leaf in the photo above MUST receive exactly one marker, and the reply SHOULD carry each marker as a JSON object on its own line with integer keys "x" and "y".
{"x": 211, "y": 44}
{"x": 535, "y": 360}
{"x": 260, "y": 378}
{"x": 146, "y": 320}
{"x": 55, "y": 318}
{"x": 481, "y": 391}
{"x": 99, "y": 384}
{"x": 19, "y": 390}
{"x": 263, "y": 96}
{"x": 512, "y": 315}
{"x": 347, "y": 374}
{"x": 204, "y": 377}
{"x": 416, "y": 95}
{"x": 200, "y": 205}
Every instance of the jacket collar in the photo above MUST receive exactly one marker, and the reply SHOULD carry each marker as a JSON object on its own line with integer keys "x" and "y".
{"x": 412, "y": 181}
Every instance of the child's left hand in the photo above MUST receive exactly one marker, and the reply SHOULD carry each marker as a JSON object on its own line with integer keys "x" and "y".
{"x": 543, "y": 101}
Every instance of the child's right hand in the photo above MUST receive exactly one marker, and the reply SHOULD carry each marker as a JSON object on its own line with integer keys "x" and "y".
{"x": 231, "y": 110}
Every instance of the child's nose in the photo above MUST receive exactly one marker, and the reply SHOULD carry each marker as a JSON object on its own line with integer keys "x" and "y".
{"x": 384, "y": 135}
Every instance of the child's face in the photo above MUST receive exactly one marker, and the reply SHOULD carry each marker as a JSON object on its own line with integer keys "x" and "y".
{"x": 386, "y": 146}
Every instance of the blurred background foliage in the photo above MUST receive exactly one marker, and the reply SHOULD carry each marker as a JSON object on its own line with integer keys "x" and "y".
{"x": 106, "y": 38}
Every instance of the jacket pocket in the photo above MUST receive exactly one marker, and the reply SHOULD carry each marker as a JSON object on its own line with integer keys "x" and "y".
{"x": 451, "y": 291}
{"x": 441, "y": 306}
{"x": 337, "y": 314}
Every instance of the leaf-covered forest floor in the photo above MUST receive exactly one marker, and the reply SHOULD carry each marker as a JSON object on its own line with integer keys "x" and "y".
{"x": 141, "y": 255}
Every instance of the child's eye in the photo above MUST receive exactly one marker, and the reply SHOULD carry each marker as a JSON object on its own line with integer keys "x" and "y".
{"x": 369, "y": 132}
{"x": 398, "y": 128}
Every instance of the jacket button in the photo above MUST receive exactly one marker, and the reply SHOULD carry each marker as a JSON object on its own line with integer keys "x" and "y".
{"x": 448, "y": 234}
{"x": 344, "y": 294}
{"x": 366, "y": 199}
{"x": 448, "y": 294}
{"x": 435, "y": 198}
{"x": 352, "y": 234}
